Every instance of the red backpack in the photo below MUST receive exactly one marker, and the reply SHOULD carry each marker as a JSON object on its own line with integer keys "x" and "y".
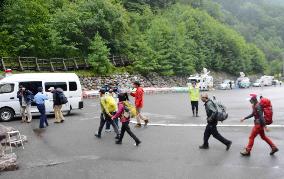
{"x": 267, "y": 110}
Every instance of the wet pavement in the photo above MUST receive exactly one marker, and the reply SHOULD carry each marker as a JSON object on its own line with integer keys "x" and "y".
{"x": 69, "y": 150}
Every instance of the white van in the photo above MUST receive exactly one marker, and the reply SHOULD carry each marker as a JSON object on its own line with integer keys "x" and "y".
{"x": 9, "y": 86}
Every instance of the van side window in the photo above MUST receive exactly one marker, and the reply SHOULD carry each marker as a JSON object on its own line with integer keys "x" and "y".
{"x": 61, "y": 85}
{"x": 6, "y": 88}
{"x": 31, "y": 85}
{"x": 72, "y": 86}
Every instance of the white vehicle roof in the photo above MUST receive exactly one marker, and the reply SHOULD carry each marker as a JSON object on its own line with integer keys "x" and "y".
{"x": 53, "y": 77}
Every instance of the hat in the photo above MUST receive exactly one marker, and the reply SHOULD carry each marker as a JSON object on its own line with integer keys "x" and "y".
{"x": 51, "y": 89}
{"x": 102, "y": 90}
{"x": 137, "y": 83}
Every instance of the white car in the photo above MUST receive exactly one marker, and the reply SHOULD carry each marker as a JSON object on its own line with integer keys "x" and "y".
{"x": 9, "y": 86}
{"x": 257, "y": 83}
{"x": 226, "y": 85}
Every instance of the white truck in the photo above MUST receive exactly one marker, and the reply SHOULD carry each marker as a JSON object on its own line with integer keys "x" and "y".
{"x": 203, "y": 81}
{"x": 266, "y": 80}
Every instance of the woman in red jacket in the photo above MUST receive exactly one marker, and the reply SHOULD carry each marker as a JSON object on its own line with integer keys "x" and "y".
{"x": 139, "y": 101}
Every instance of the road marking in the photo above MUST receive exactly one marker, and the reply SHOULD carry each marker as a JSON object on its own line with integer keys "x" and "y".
{"x": 203, "y": 125}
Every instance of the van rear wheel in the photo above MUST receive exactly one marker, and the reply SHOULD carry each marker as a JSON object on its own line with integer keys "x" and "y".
{"x": 6, "y": 114}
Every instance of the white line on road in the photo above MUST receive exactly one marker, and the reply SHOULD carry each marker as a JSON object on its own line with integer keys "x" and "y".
{"x": 203, "y": 125}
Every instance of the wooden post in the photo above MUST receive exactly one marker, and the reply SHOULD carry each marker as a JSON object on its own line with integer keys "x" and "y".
{"x": 3, "y": 64}
{"x": 64, "y": 65}
{"x": 75, "y": 63}
{"x": 20, "y": 64}
{"x": 37, "y": 65}
{"x": 51, "y": 66}
{"x": 86, "y": 63}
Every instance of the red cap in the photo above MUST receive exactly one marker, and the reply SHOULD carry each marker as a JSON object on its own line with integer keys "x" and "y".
{"x": 253, "y": 95}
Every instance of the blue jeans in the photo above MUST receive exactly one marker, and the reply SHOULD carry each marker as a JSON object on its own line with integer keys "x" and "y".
{"x": 43, "y": 118}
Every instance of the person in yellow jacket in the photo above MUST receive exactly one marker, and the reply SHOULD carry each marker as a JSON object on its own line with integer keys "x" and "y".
{"x": 194, "y": 93}
{"x": 108, "y": 106}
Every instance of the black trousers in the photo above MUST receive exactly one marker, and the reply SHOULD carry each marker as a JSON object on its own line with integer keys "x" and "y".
{"x": 125, "y": 127}
{"x": 211, "y": 129}
{"x": 194, "y": 106}
{"x": 104, "y": 118}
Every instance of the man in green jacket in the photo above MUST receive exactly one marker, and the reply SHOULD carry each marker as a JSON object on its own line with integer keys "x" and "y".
{"x": 194, "y": 98}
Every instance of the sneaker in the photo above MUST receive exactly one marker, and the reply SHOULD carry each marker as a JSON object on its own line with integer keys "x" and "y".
{"x": 138, "y": 125}
{"x": 56, "y": 122}
{"x": 203, "y": 147}
{"x": 197, "y": 115}
{"x": 98, "y": 136}
{"x": 229, "y": 146}
{"x": 117, "y": 137}
{"x": 245, "y": 153}
{"x": 137, "y": 143}
{"x": 274, "y": 150}
{"x": 62, "y": 121}
{"x": 146, "y": 122}
{"x": 118, "y": 142}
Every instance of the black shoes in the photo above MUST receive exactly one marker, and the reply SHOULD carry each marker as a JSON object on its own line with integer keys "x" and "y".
{"x": 229, "y": 146}
{"x": 98, "y": 136}
{"x": 117, "y": 137}
{"x": 274, "y": 150}
{"x": 203, "y": 147}
{"x": 137, "y": 143}
{"x": 118, "y": 142}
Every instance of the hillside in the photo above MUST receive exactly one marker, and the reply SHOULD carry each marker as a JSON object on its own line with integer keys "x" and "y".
{"x": 157, "y": 36}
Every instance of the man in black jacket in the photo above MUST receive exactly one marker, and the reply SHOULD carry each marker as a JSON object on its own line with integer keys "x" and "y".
{"x": 57, "y": 105}
{"x": 25, "y": 98}
{"x": 212, "y": 121}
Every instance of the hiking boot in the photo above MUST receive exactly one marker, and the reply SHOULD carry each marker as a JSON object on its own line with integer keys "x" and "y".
{"x": 245, "y": 153}
{"x": 274, "y": 150}
{"x": 117, "y": 137}
{"x": 98, "y": 136}
{"x": 56, "y": 122}
{"x": 197, "y": 115}
{"x": 137, "y": 143}
{"x": 138, "y": 125}
{"x": 118, "y": 142}
{"x": 229, "y": 146}
{"x": 108, "y": 130}
{"x": 62, "y": 121}
{"x": 146, "y": 122}
{"x": 203, "y": 147}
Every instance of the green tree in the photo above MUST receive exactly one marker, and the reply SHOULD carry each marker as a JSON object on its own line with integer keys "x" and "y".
{"x": 98, "y": 56}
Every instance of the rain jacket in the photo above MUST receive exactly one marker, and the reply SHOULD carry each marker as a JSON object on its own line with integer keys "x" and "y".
{"x": 119, "y": 113}
{"x": 108, "y": 104}
{"x": 139, "y": 97}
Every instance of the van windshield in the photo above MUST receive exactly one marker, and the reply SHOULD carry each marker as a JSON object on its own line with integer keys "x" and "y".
{"x": 7, "y": 88}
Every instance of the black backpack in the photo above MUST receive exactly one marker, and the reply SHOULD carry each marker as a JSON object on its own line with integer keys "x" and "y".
{"x": 221, "y": 114}
{"x": 62, "y": 98}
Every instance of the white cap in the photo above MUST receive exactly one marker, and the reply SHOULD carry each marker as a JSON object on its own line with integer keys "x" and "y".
{"x": 51, "y": 89}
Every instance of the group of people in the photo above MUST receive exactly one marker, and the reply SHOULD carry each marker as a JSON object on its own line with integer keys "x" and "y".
{"x": 260, "y": 124}
{"x": 111, "y": 110}
{"x": 27, "y": 99}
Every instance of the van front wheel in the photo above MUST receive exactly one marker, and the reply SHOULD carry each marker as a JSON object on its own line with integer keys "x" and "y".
{"x": 6, "y": 114}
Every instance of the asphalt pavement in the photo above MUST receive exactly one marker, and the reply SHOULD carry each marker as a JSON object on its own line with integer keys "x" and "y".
{"x": 169, "y": 146}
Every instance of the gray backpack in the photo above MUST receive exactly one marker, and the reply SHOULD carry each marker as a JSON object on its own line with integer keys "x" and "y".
{"x": 221, "y": 114}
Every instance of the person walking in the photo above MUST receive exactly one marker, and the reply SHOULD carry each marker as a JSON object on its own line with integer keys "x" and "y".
{"x": 107, "y": 107}
{"x": 25, "y": 98}
{"x": 259, "y": 127}
{"x": 194, "y": 98}
{"x": 40, "y": 103}
{"x": 139, "y": 101}
{"x": 124, "y": 114}
{"x": 111, "y": 97}
{"x": 212, "y": 121}
{"x": 57, "y": 104}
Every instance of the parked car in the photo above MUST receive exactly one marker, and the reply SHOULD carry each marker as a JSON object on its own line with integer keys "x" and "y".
{"x": 9, "y": 86}
{"x": 226, "y": 84}
{"x": 257, "y": 83}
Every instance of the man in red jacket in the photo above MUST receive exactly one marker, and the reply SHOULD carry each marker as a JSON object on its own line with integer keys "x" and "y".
{"x": 259, "y": 126}
{"x": 139, "y": 101}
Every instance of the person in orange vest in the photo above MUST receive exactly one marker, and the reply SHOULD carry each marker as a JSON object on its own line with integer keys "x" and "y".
{"x": 259, "y": 127}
